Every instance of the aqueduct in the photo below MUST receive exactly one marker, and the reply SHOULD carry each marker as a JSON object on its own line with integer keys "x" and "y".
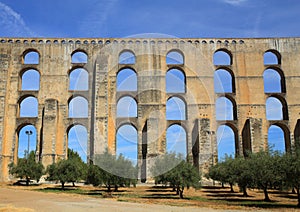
{"x": 243, "y": 88}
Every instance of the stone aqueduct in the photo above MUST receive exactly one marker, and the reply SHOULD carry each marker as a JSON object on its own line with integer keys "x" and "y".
{"x": 246, "y": 67}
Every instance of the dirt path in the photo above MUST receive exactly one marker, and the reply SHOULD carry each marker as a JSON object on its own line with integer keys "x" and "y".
{"x": 26, "y": 200}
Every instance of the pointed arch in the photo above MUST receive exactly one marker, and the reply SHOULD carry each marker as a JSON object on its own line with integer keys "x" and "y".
{"x": 224, "y": 81}
{"x": 78, "y": 107}
{"x": 276, "y": 108}
{"x": 274, "y": 81}
{"x": 77, "y": 140}
{"x": 28, "y": 106}
{"x": 225, "y": 109}
{"x": 176, "y": 109}
{"x": 79, "y": 79}
{"x": 127, "y": 107}
{"x": 175, "y": 81}
{"x": 79, "y": 56}
{"x": 127, "y": 80}
{"x": 272, "y": 57}
{"x": 175, "y": 57}
{"x": 31, "y": 56}
{"x": 127, "y": 57}
{"x": 176, "y": 140}
{"x": 127, "y": 142}
{"x": 27, "y": 140}
{"x": 222, "y": 57}
{"x": 227, "y": 141}
{"x": 30, "y": 80}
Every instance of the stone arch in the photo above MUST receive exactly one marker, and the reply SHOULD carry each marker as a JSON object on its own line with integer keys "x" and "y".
{"x": 127, "y": 141}
{"x": 276, "y": 108}
{"x": 227, "y": 141}
{"x": 127, "y": 80}
{"x": 31, "y": 56}
{"x": 279, "y": 138}
{"x": 79, "y": 56}
{"x": 274, "y": 81}
{"x": 175, "y": 57}
{"x": 77, "y": 140}
{"x": 175, "y": 81}
{"x": 226, "y": 109}
{"x": 176, "y": 139}
{"x": 272, "y": 57}
{"x": 176, "y": 108}
{"x": 224, "y": 81}
{"x": 78, "y": 107}
{"x": 30, "y": 79}
{"x": 79, "y": 79}
{"x": 126, "y": 107}
{"x": 222, "y": 57}
{"x": 127, "y": 57}
{"x": 28, "y": 106}
{"x": 26, "y": 140}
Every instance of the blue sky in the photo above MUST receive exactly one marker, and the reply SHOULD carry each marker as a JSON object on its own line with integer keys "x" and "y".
{"x": 121, "y": 18}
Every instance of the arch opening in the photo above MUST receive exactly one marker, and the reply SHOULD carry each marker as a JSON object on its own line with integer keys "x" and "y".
{"x": 176, "y": 140}
{"x": 79, "y": 79}
{"x": 225, "y": 109}
{"x": 223, "y": 81}
{"x": 126, "y": 142}
{"x": 174, "y": 57}
{"x": 27, "y": 140}
{"x": 176, "y": 109}
{"x": 127, "y": 107}
{"x": 79, "y": 57}
{"x": 78, "y": 107}
{"x": 274, "y": 81}
{"x": 127, "y": 57}
{"x": 127, "y": 80}
{"x": 276, "y": 139}
{"x": 29, "y": 107}
{"x": 30, "y": 80}
{"x": 276, "y": 109}
{"x": 175, "y": 81}
{"x": 226, "y": 142}
{"x": 272, "y": 57}
{"x": 31, "y": 57}
{"x": 77, "y": 141}
{"x": 222, "y": 57}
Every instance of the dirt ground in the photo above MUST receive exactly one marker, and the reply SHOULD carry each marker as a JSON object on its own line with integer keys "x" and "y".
{"x": 143, "y": 198}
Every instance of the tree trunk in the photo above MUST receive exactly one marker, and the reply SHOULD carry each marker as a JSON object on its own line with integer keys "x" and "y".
{"x": 73, "y": 184}
{"x": 108, "y": 188}
{"x": 231, "y": 188}
{"x": 298, "y": 195}
{"x": 244, "y": 188}
{"x": 267, "y": 199}
{"x": 116, "y": 188}
{"x": 181, "y": 194}
{"x": 63, "y": 185}
{"x": 27, "y": 181}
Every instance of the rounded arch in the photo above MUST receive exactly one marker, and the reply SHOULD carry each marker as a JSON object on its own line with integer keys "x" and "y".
{"x": 224, "y": 81}
{"x": 276, "y": 108}
{"x": 77, "y": 140}
{"x": 30, "y": 79}
{"x": 127, "y": 142}
{"x": 79, "y": 56}
{"x": 226, "y": 108}
{"x": 227, "y": 141}
{"x": 126, "y": 107}
{"x": 78, "y": 79}
{"x": 272, "y": 57}
{"x": 27, "y": 140}
{"x": 176, "y": 108}
{"x": 31, "y": 56}
{"x": 279, "y": 138}
{"x": 28, "y": 106}
{"x": 222, "y": 57}
{"x": 175, "y": 57}
{"x": 274, "y": 81}
{"x": 176, "y": 139}
{"x": 175, "y": 81}
{"x": 127, "y": 57}
{"x": 126, "y": 80}
{"x": 78, "y": 107}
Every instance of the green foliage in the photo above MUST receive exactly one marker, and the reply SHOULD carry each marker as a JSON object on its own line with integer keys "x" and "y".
{"x": 71, "y": 170}
{"x": 112, "y": 171}
{"x": 27, "y": 168}
{"x": 172, "y": 169}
